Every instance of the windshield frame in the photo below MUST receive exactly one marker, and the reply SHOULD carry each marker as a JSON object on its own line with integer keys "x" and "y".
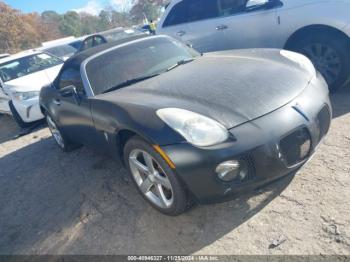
{"x": 83, "y": 71}
{"x": 28, "y": 56}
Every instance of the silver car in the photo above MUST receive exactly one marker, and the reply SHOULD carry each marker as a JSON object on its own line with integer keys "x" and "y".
{"x": 318, "y": 29}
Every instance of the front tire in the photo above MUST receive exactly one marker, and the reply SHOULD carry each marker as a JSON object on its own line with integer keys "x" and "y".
{"x": 59, "y": 137}
{"x": 330, "y": 55}
{"x": 154, "y": 179}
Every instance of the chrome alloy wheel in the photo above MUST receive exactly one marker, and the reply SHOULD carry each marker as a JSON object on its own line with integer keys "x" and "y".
{"x": 151, "y": 178}
{"x": 54, "y": 131}
{"x": 325, "y": 59}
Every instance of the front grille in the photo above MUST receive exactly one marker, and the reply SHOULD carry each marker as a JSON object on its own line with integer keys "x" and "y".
{"x": 296, "y": 147}
{"x": 324, "y": 121}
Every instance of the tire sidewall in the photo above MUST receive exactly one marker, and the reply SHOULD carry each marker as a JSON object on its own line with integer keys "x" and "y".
{"x": 180, "y": 199}
{"x": 65, "y": 143}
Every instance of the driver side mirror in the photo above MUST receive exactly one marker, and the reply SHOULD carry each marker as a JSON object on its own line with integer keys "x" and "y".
{"x": 71, "y": 91}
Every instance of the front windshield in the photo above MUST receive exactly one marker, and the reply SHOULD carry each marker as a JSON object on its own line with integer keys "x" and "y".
{"x": 141, "y": 59}
{"x": 27, "y": 65}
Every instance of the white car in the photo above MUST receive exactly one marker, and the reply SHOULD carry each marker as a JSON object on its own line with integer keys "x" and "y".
{"x": 317, "y": 28}
{"x": 21, "y": 78}
{"x": 4, "y": 55}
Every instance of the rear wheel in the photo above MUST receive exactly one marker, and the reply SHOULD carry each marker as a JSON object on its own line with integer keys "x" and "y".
{"x": 154, "y": 179}
{"x": 17, "y": 117}
{"x": 60, "y": 139}
{"x": 329, "y": 54}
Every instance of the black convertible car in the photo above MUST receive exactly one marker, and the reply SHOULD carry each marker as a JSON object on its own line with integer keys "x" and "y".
{"x": 187, "y": 125}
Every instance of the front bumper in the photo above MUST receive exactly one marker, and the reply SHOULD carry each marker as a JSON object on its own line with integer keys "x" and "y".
{"x": 29, "y": 110}
{"x": 257, "y": 142}
{"x": 4, "y": 103}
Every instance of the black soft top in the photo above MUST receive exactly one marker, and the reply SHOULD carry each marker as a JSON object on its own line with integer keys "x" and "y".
{"x": 76, "y": 60}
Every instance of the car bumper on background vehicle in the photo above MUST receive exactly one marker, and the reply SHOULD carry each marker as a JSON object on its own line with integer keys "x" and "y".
{"x": 4, "y": 106}
{"x": 266, "y": 148}
{"x": 28, "y": 110}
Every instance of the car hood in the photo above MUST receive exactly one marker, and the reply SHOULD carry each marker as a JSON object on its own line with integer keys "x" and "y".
{"x": 232, "y": 87}
{"x": 32, "y": 82}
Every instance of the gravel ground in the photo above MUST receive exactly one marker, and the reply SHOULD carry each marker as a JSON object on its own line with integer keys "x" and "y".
{"x": 83, "y": 203}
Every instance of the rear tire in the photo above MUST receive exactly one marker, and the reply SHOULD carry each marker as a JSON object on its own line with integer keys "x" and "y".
{"x": 330, "y": 54}
{"x": 164, "y": 191}
{"x": 17, "y": 117}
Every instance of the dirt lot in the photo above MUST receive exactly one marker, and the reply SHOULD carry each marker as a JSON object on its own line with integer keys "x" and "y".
{"x": 83, "y": 203}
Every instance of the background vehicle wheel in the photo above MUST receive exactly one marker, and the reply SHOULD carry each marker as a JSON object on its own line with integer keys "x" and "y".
{"x": 60, "y": 139}
{"x": 154, "y": 179}
{"x": 330, "y": 55}
{"x": 17, "y": 117}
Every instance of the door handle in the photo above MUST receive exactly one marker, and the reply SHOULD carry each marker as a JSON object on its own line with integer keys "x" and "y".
{"x": 221, "y": 27}
{"x": 57, "y": 102}
{"x": 181, "y": 33}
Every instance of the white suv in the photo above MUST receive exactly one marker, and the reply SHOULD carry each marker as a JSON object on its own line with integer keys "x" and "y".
{"x": 320, "y": 29}
{"x": 21, "y": 78}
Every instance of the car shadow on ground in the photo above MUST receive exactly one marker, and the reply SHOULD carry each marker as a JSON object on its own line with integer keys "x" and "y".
{"x": 9, "y": 130}
{"x": 84, "y": 203}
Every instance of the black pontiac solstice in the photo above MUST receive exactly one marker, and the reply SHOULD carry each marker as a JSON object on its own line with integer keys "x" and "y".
{"x": 187, "y": 125}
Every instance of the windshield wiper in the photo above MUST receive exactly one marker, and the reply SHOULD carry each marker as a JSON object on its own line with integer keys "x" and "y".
{"x": 130, "y": 82}
{"x": 181, "y": 62}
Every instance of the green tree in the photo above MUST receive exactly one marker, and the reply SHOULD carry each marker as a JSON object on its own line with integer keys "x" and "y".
{"x": 70, "y": 24}
{"x": 50, "y": 22}
{"x": 89, "y": 24}
{"x": 144, "y": 9}
{"x": 105, "y": 20}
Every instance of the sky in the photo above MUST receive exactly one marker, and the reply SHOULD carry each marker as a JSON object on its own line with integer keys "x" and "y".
{"x": 61, "y": 6}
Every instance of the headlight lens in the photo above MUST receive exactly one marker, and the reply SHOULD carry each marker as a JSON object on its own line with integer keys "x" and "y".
{"x": 197, "y": 129}
{"x": 21, "y": 96}
{"x": 300, "y": 59}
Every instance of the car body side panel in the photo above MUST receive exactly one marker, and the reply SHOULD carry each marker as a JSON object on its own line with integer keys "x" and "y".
{"x": 111, "y": 118}
{"x": 292, "y": 16}
{"x": 296, "y": 15}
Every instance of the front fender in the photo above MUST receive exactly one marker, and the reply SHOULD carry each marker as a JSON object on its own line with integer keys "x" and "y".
{"x": 141, "y": 120}
{"x": 347, "y": 30}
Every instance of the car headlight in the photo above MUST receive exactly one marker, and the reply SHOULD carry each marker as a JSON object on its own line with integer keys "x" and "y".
{"x": 21, "y": 96}
{"x": 197, "y": 129}
{"x": 301, "y": 60}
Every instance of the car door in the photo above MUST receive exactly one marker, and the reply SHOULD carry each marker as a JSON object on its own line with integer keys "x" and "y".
{"x": 193, "y": 22}
{"x": 72, "y": 107}
{"x": 256, "y": 25}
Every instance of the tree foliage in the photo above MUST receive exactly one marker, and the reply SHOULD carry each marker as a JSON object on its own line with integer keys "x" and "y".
{"x": 20, "y": 31}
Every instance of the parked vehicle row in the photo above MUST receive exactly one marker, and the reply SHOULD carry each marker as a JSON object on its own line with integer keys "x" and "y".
{"x": 318, "y": 29}
{"x": 187, "y": 125}
{"x": 23, "y": 75}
